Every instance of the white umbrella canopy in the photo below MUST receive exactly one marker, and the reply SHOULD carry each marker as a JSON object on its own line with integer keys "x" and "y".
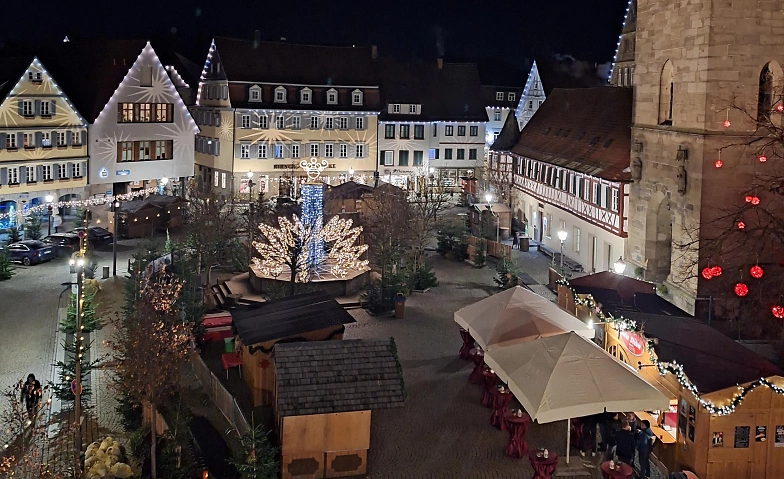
{"x": 514, "y": 316}
{"x": 565, "y": 376}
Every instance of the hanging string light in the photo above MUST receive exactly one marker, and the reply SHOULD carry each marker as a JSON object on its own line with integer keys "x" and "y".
{"x": 41, "y": 208}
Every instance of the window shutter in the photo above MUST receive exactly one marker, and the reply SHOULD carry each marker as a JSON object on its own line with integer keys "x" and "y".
{"x": 3, "y": 176}
{"x": 254, "y": 120}
{"x": 237, "y": 150}
{"x": 22, "y": 175}
{"x": 216, "y": 143}
{"x": 84, "y": 137}
{"x": 39, "y": 173}
{"x": 2, "y": 141}
{"x": 53, "y": 138}
{"x": 254, "y": 150}
{"x": 286, "y": 150}
{"x": 55, "y": 171}
{"x": 170, "y": 112}
{"x": 38, "y": 142}
{"x": 19, "y": 140}
{"x": 53, "y": 108}
{"x": 381, "y": 155}
{"x": 68, "y": 170}
{"x": 119, "y": 113}
{"x": 19, "y": 107}
{"x": 350, "y": 150}
{"x": 37, "y": 108}
{"x": 217, "y": 119}
{"x": 68, "y": 139}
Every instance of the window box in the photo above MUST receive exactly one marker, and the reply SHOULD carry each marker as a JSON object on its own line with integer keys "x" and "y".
{"x": 47, "y": 147}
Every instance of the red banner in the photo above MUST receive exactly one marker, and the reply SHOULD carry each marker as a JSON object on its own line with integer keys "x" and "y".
{"x": 633, "y": 343}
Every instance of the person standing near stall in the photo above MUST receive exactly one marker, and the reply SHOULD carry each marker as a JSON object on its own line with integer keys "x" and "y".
{"x": 645, "y": 439}
{"x": 625, "y": 443}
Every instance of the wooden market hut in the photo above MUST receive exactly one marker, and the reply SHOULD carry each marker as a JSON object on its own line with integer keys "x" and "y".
{"x": 325, "y": 392}
{"x": 479, "y": 213}
{"x": 748, "y": 442}
{"x": 171, "y": 210}
{"x": 137, "y": 218}
{"x": 314, "y": 316}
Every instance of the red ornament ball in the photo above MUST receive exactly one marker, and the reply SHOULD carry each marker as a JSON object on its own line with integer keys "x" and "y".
{"x": 741, "y": 225}
{"x": 727, "y": 124}
{"x": 756, "y": 272}
{"x": 762, "y": 158}
{"x": 707, "y": 273}
{"x": 741, "y": 289}
{"x": 755, "y": 200}
{"x": 716, "y": 271}
{"x": 748, "y": 198}
{"x": 718, "y": 164}
{"x": 779, "y": 108}
{"x": 778, "y": 311}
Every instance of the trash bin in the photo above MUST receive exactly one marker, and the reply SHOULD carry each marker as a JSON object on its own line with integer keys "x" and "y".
{"x": 400, "y": 305}
{"x": 105, "y": 272}
{"x": 228, "y": 345}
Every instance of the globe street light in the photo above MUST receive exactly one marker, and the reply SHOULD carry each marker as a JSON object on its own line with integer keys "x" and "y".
{"x": 562, "y": 234}
{"x": 49, "y": 199}
{"x": 488, "y": 198}
{"x": 619, "y": 266}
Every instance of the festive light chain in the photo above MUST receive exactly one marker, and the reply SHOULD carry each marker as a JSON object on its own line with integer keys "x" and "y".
{"x": 672, "y": 367}
{"x": 40, "y": 208}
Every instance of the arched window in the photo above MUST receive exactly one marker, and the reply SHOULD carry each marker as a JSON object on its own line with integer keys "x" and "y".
{"x": 666, "y": 94}
{"x": 627, "y": 81}
{"x": 765, "y": 96}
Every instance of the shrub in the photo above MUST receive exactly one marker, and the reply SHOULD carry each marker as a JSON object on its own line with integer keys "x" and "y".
{"x": 480, "y": 253}
{"x": 422, "y": 278}
{"x": 380, "y": 294}
{"x": 506, "y": 274}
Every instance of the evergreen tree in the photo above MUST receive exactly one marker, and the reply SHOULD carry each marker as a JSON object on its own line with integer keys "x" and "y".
{"x": 32, "y": 228}
{"x": 14, "y": 235}
{"x": 259, "y": 457}
{"x": 506, "y": 274}
{"x": 480, "y": 253}
{"x": 6, "y": 267}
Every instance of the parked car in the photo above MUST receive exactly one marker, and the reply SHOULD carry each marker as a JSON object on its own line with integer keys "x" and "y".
{"x": 97, "y": 236}
{"x": 64, "y": 244}
{"x": 30, "y": 252}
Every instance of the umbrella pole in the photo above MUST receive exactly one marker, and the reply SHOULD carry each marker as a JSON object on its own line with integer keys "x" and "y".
{"x": 568, "y": 437}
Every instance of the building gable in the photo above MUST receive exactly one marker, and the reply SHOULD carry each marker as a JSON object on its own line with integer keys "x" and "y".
{"x": 533, "y": 95}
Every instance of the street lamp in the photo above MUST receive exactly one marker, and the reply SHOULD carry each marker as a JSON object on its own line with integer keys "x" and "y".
{"x": 619, "y": 266}
{"x": 488, "y": 198}
{"x": 562, "y": 234}
{"x": 116, "y": 210}
{"x": 49, "y": 199}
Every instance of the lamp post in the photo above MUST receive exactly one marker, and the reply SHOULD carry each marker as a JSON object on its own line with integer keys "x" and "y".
{"x": 49, "y": 199}
{"x": 562, "y": 237}
{"x": 77, "y": 265}
{"x": 619, "y": 266}
{"x": 116, "y": 212}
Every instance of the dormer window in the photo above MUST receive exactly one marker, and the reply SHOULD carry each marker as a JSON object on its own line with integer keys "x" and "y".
{"x": 511, "y": 97}
{"x": 396, "y": 108}
{"x": 499, "y": 96}
{"x": 280, "y": 95}
{"x": 332, "y": 97}
{"x": 34, "y": 77}
{"x": 255, "y": 93}
{"x": 356, "y": 97}
{"x": 305, "y": 96}
{"x": 412, "y": 109}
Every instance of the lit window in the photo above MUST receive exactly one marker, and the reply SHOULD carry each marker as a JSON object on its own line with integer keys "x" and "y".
{"x": 46, "y": 139}
{"x": 244, "y": 151}
{"x": 278, "y": 151}
{"x": 245, "y": 121}
{"x": 328, "y": 151}
{"x": 223, "y": 180}
{"x": 162, "y": 112}
{"x": 216, "y": 179}
{"x": 126, "y": 112}
{"x": 576, "y": 237}
{"x": 344, "y": 150}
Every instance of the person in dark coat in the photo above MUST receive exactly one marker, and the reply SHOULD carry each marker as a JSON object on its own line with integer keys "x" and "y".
{"x": 31, "y": 394}
{"x": 625, "y": 443}
{"x": 609, "y": 424}
{"x": 645, "y": 440}
{"x": 589, "y": 434}
{"x": 515, "y": 241}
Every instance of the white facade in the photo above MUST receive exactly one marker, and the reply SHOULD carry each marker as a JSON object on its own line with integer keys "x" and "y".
{"x": 459, "y": 150}
{"x": 144, "y": 132}
{"x": 496, "y": 119}
{"x": 532, "y": 98}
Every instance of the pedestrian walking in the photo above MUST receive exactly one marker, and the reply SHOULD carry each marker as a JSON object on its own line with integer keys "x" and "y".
{"x": 31, "y": 394}
{"x": 625, "y": 443}
{"x": 645, "y": 440}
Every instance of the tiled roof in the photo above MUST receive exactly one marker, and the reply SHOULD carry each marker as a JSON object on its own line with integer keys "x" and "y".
{"x": 587, "y": 130}
{"x": 322, "y": 377}
{"x": 450, "y": 93}
{"x": 289, "y": 63}
{"x": 508, "y": 136}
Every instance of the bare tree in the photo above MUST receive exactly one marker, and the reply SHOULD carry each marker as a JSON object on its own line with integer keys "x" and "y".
{"x": 425, "y": 207}
{"x": 22, "y": 436}
{"x": 386, "y": 219}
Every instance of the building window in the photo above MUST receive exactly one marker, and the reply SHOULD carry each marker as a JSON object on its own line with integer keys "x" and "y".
{"x": 46, "y": 139}
{"x": 145, "y": 112}
{"x": 449, "y": 130}
{"x": 245, "y": 121}
{"x": 223, "y": 180}
{"x": 76, "y": 170}
{"x": 314, "y": 149}
{"x": 27, "y": 108}
{"x": 45, "y": 108}
{"x": 418, "y": 155}
{"x": 10, "y": 141}
{"x": 280, "y": 122}
{"x": 343, "y": 150}
{"x": 13, "y": 176}
{"x": 389, "y": 131}
{"x": 28, "y": 140}
{"x": 280, "y": 95}
{"x": 539, "y": 103}
{"x": 263, "y": 120}
{"x": 60, "y": 138}
{"x": 62, "y": 171}
{"x": 34, "y": 77}
{"x": 389, "y": 158}
{"x": 126, "y": 151}
{"x": 359, "y": 150}
{"x": 435, "y": 130}
{"x": 497, "y": 115}
{"x": 461, "y": 154}
{"x": 244, "y": 151}
{"x": 295, "y": 122}
{"x": 765, "y": 95}
{"x": 405, "y": 131}
{"x": 586, "y": 189}
{"x": 597, "y": 193}
{"x": 356, "y": 97}
{"x": 434, "y": 153}
{"x": 666, "y": 85}
{"x": 30, "y": 174}
{"x": 294, "y": 150}
{"x": 447, "y": 153}
{"x": 510, "y": 97}
{"x": 576, "y": 239}
{"x": 314, "y": 122}
{"x": 255, "y": 93}
{"x": 402, "y": 158}
{"x": 262, "y": 150}
{"x": 419, "y": 132}
{"x": 412, "y": 109}
{"x": 461, "y": 130}
{"x": 530, "y": 104}
{"x": 359, "y": 122}
{"x": 279, "y": 150}
{"x": 332, "y": 97}
{"x": 216, "y": 179}
{"x": 615, "y": 198}
{"x": 472, "y": 154}
{"x": 343, "y": 123}
{"x": 473, "y": 131}
{"x": 396, "y": 108}
{"x": 495, "y": 135}
{"x": 305, "y": 96}
{"x": 162, "y": 150}
{"x": 162, "y": 112}
{"x": 46, "y": 172}
{"x": 328, "y": 150}
{"x": 499, "y": 96}
{"x": 76, "y": 138}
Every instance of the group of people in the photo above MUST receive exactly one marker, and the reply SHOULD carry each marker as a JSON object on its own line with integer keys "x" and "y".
{"x": 621, "y": 436}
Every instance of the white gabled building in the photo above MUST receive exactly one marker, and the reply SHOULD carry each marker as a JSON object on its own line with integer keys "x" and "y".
{"x": 532, "y": 97}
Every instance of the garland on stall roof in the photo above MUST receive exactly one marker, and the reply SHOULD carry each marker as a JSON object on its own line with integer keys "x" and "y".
{"x": 672, "y": 367}
{"x": 42, "y": 207}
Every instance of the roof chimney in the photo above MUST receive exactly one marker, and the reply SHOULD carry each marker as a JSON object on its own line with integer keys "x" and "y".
{"x": 373, "y": 52}
{"x": 440, "y": 62}
{"x": 256, "y": 38}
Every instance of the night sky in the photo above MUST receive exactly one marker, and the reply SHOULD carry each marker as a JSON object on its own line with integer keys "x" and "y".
{"x": 508, "y": 31}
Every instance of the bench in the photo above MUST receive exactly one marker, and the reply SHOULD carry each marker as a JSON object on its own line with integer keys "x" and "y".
{"x": 556, "y": 255}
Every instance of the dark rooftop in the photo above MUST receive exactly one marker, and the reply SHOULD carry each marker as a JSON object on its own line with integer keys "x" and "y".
{"x": 322, "y": 377}
{"x": 566, "y": 72}
{"x": 509, "y": 134}
{"x": 587, "y": 130}
{"x": 349, "y": 189}
{"x": 287, "y": 317}
{"x": 490, "y": 98}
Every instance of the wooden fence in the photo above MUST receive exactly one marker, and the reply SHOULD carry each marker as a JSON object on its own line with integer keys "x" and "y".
{"x": 494, "y": 249}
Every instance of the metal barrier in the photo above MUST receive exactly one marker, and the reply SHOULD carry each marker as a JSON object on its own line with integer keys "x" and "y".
{"x": 219, "y": 395}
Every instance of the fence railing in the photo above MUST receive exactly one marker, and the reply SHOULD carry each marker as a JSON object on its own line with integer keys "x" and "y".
{"x": 219, "y": 395}
{"x": 492, "y": 248}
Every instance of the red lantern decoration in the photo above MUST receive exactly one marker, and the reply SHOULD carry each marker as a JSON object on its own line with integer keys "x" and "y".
{"x": 716, "y": 271}
{"x": 718, "y": 164}
{"x": 741, "y": 289}
{"x": 727, "y": 124}
{"x": 779, "y": 108}
{"x": 756, "y": 272}
{"x": 707, "y": 273}
{"x": 748, "y": 198}
{"x": 741, "y": 225}
{"x": 762, "y": 158}
{"x": 778, "y": 311}
{"x": 754, "y": 200}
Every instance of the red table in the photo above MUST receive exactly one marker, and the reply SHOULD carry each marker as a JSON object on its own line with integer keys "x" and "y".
{"x": 468, "y": 344}
{"x": 499, "y": 402}
{"x": 490, "y": 381}
{"x": 622, "y": 472}
{"x": 517, "y": 446}
{"x": 543, "y": 468}
{"x": 231, "y": 360}
{"x": 217, "y": 326}
{"x": 478, "y": 357}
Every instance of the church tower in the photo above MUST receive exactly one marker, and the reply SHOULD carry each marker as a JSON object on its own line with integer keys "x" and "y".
{"x": 622, "y": 73}
{"x": 700, "y": 68}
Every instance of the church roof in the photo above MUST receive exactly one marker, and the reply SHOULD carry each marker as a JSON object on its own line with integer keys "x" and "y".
{"x": 586, "y": 130}
{"x": 508, "y": 136}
